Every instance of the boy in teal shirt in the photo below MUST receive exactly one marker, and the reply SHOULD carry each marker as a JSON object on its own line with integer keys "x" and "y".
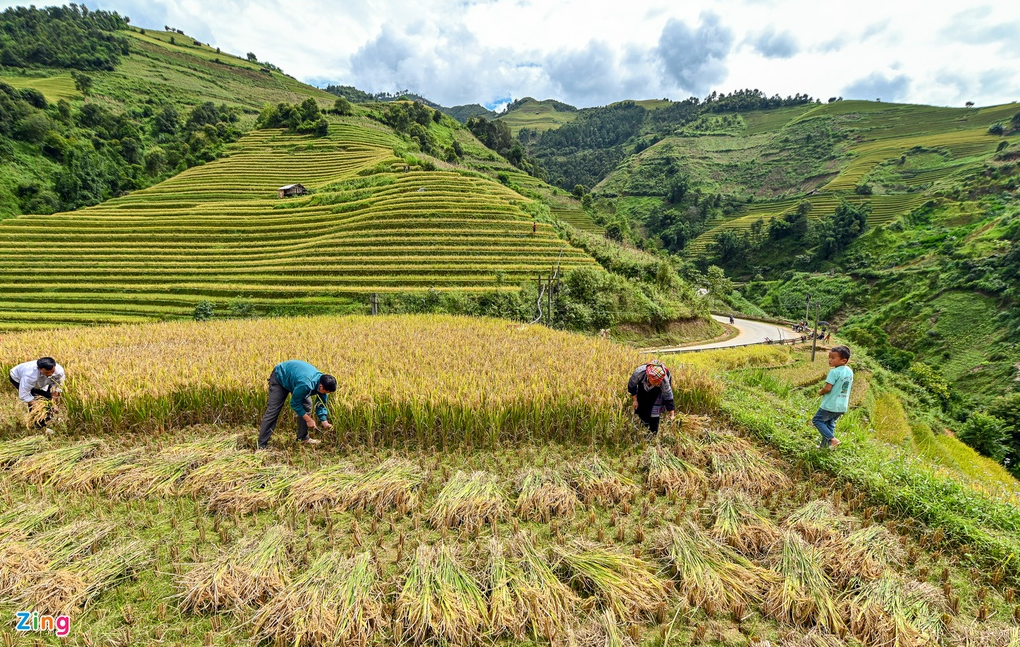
{"x": 835, "y": 396}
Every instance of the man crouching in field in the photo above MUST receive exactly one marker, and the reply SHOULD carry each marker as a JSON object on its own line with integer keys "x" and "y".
{"x": 41, "y": 378}
{"x": 301, "y": 381}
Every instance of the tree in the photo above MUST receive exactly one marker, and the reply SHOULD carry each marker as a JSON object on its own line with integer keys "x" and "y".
{"x": 727, "y": 245}
{"x": 82, "y": 82}
{"x": 252, "y": 58}
{"x": 343, "y": 107}
{"x": 986, "y": 434}
{"x": 997, "y": 129}
{"x": 836, "y": 232}
{"x": 203, "y": 311}
{"x": 969, "y": 104}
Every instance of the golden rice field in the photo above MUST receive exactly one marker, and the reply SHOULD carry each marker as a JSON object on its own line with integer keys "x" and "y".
{"x": 218, "y": 232}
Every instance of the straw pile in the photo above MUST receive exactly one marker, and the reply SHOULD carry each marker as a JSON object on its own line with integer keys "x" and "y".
{"x": 94, "y": 473}
{"x": 893, "y": 611}
{"x": 595, "y": 481}
{"x": 803, "y": 595}
{"x": 819, "y": 520}
{"x": 739, "y": 524}
{"x": 439, "y": 599}
{"x": 393, "y": 485}
{"x": 525, "y": 596}
{"x": 19, "y": 566}
{"x": 40, "y": 468}
{"x": 264, "y": 489}
{"x": 323, "y": 489}
{"x": 985, "y": 637}
{"x": 246, "y": 575}
{"x": 13, "y": 451}
{"x": 670, "y": 474}
{"x": 863, "y": 555}
{"x": 335, "y": 602}
{"x": 542, "y": 494}
{"x": 709, "y": 575}
{"x": 622, "y": 583}
{"x": 64, "y": 591}
{"x": 469, "y": 501}
{"x": 748, "y": 470}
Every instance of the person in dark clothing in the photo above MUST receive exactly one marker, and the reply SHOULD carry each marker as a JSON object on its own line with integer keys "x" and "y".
{"x": 651, "y": 387}
{"x": 302, "y": 382}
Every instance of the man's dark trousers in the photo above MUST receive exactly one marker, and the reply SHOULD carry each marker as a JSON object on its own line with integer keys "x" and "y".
{"x": 277, "y": 398}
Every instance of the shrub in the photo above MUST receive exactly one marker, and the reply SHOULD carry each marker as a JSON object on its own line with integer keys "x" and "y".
{"x": 203, "y": 311}
{"x": 986, "y": 434}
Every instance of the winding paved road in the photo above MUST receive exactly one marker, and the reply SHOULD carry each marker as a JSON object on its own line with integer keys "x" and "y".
{"x": 751, "y": 332}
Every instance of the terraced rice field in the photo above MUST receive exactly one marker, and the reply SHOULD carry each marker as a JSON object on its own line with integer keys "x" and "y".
{"x": 218, "y": 232}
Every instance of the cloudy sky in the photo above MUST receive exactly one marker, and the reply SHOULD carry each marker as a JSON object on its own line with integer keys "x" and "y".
{"x": 593, "y": 52}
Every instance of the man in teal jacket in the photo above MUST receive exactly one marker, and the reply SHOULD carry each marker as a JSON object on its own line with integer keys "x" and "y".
{"x": 301, "y": 381}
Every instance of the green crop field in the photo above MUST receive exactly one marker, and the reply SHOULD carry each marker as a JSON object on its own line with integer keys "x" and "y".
{"x": 54, "y": 88}
{"x": 537, "y": 115}
{"x": 218, "y": 232}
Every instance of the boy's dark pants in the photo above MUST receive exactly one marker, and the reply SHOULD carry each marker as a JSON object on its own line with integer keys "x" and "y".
{"x": 277, "y": 398}
{"x": 39, "y": 393}
{"x": 825, "y": 422}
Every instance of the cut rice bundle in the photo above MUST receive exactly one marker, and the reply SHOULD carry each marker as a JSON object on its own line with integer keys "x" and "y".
{"x": 627, "y": 585}
{"x": 336, "y": 601}
{"x": 242, "y": 577}
{"x": 24, "y": 519}
{"x": 670, "y": 474}
{"x": 393, "y": 485}
{"x": 863, "y": 555}
{"x": 67, "y": 590}
{"x": 20, "y": 565}
{"x": 267, "y": 486}
{"x": 525, "y": 596}
{"x": 40, "y": 412}
{"x": 14, "y": 450}
{"x": 595, "y": 481}
{"x": 740, "y": 525}
{"x": 893, "y": 611}
{"x": 94, "y": 473}
{"x": 74, "y": 541}
{"x": 721, "y": 444}
{"x": 42, "y": 467}
{"x": 709, "y": 575}
{"x": 748, "y": 470}
{"x": 813, "y": 638}
{"x": 803, "y": 595}
{"x": 469, "y": 501}
{"x": 323, "y": 489}
{"x": 159, "y": 476}
{"x": 542, "y": 494}
{"x": 603, "y": 630}
{"x": 227, "y": 469}
{"x": 819, "y": 520}
{"x": 439, "y": 599}
{"x": 214, "y": 445}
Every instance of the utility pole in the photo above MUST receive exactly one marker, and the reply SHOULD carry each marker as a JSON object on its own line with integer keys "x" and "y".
{"x": 375, "y": 303}
{"x": 814, "y": 336}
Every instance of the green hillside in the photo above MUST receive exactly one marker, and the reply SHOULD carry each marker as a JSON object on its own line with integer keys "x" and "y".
{"x": 537, "y": 115}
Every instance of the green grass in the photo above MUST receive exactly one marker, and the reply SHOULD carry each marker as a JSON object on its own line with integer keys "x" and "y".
{"x": 536, "y": 115}
{"x": 54, "y": 88}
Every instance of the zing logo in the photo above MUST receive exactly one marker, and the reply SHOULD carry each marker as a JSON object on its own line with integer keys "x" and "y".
{"x": 32, "y": 621}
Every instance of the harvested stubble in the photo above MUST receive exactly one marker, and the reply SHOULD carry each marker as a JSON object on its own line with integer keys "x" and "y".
{"x": 813, "y": 638}
{"x": 266, "y": 487}
{"x": 803, "y": 595}
{"x": 741, "y": 525}
{"x": 393, "y": 485}
{"x": 524, "y": 593}
{"x": 15, "y": 450}
{"x": 595, "y": 481}
{"x": 64, "y": 591}
{"x": 439, "y": 599}
{"x": 710, "y": 576}
{"x": 748, "y": 470}
{"x": 984, "y": 637}
{"x": 158, "y": 476}
{"x": 241, "y": 577}
{"x": 603, "y": 630}
{"x": 42, "y": 468}
{"x": 670, "y": 474}
{"x": 893, "y": 611}
{"x": 469, "y": 501}
{"x": 93, "y": 473}
{"x": 819, "y": 520}
{"x": 627, "y": 585}
{"x": 323, "y": 489}
{"x": 864, "y": 554}
{"x": 542, "y": 494}
{"x": 25, "y": 519}
{"x": 335, "y": 602}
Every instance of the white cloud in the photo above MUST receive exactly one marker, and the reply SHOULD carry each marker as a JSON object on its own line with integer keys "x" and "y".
{"x": 593, "y": 52}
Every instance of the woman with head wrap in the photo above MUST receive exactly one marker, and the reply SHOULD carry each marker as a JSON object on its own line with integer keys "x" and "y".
{"x": 650, "y": 386}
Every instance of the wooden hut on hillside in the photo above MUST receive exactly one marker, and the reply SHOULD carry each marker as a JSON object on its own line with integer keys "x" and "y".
{"x": 289, "y": 190}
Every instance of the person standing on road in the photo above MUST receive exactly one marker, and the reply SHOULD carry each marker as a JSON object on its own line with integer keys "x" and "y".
{"x": 302, "y": 382}
{"x": 835, "y": 396}
{"x": 651, "y": 388}
{"x": 41, "y": 378}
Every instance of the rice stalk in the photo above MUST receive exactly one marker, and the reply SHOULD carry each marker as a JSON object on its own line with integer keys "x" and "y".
{"x": 627, "y": 585}
{"x": 335, "y": 602}
{"x": 549, "y": 604}
{"x": 970, "y": 636}
{"x": 266, "y": 487}
{"x": 93, "y": 473}
{"x": 40, "y": 410}
{"x": 709, "y": 575}
{"x": 42, "y": 468}
{"x": 893, "y": 611}
{"x": 818, "y": 520}
{"x": 803, "y": 594}
{"x": 739, "y": 524}
{"x": 393, "y": 485}
{"x": 158, "y": 476}
{"x": 814, "y": 638}
{"x": 24, "y": 519}
{"x": 227, "y": 469}
{"x": 595, "y": 481}
{"x": 542, "y": 494}
{"x": 66, "y": 590}
{"x": 74, "y": 541}
{"x": 19, "y": 566}
{"x": 863, "y": 555}
{"x": 439, "y": 599}
{"x": 749, "y": 470}
{"x": 469, "y": 501}
{"x": 214, "y": 445}
{"x": 323, "y": 489}
{"x": 670, "y": 474}
{"x": 247, "y": 574}
{"x": 604, "y": 630}
{"x": 14, "y": 450}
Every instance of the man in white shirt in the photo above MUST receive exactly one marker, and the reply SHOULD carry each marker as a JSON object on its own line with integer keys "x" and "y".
{"x": 40, "y": 378}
